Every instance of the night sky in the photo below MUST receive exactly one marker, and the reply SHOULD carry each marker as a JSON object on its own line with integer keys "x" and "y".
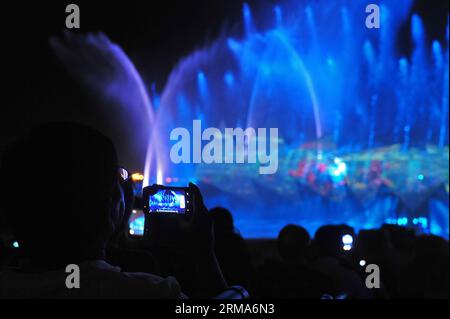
{"x": 155, "y": 34}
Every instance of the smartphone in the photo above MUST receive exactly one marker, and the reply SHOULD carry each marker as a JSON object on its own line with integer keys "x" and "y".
{"x": 164, "y": 208}
{"x": 160, "y": 199}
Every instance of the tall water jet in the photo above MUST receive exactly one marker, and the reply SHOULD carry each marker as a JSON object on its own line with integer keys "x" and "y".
{"x": 355, "y": 118}
{"x": 278, "y": 17}
{"x": 248, "y": 23}
{"x": 328, "y": 84}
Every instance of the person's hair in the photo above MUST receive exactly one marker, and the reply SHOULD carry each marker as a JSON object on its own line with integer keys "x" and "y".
{"x": 293, "y": 242}
{"x": 59, "y": 186}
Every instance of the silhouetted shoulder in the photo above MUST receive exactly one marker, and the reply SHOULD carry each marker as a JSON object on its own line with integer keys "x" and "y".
{"x": 98, "y": 280}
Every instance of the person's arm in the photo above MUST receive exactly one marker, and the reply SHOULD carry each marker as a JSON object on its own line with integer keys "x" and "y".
{"x": 201, "y": 233}
{"x": 211, "y": 280}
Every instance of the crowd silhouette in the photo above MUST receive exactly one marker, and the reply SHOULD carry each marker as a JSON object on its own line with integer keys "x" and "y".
{"x": 76, "y": 210}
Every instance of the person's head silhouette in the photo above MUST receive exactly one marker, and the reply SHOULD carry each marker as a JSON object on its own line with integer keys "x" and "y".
{"x": 61, "y": 194}
{"x": 293, "y": 243}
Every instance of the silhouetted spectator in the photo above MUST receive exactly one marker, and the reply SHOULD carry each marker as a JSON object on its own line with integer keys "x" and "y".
{"x": 402, "y": 240}
{"x": 428, "y": 274}
{"x": 292, "y": 276}
{"x": 293, "y": 244}
{"x": 329, "y": 253}
{"x": 374, "y": 247}
{"x": 71, "y": 209}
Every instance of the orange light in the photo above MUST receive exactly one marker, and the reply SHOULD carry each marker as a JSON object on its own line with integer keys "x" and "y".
{"x": 137, "y": 177}
{"x": 168, "y": 180}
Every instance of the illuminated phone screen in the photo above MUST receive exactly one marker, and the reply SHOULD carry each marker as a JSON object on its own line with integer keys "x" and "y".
{"x": 136, "y": 223}
{"x": 168, "y": 201}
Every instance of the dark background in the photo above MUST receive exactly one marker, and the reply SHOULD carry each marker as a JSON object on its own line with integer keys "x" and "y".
{"x": 36, "y": 88}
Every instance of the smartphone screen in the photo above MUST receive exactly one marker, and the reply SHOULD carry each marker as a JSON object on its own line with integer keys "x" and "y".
{"x": 168, "y": 201}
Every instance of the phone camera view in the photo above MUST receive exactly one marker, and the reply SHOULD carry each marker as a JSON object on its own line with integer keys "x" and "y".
{"x": 168, "y": 201}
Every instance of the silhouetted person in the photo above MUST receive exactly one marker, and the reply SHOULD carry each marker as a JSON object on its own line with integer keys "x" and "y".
{"x": 71, "y": 204}
{"x": 293, "y": 244}
{"x": 374, "y": 247}
{"x": 402, "y": 241}
{"x": 427, "y": 276}
{"x": 231, "y": 250}
{"x": 329, "y": 253}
